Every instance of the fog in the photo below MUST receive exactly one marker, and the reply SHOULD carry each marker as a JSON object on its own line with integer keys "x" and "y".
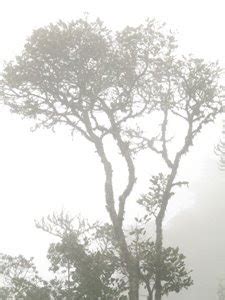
{"x": 199, "y": 231}
{"x": 43, "y": 172}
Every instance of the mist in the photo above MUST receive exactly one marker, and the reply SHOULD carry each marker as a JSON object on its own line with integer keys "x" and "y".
{"x": 46, "y": 171}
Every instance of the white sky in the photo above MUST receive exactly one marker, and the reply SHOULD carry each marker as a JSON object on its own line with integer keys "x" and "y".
{"x": 42, "y": 172}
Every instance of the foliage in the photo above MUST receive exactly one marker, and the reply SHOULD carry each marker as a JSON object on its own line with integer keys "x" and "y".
{"x": 84, "y": 263}
{"x": 69, "y": 71}
{"x": 20, "y": 278}
{"x": 152, "y": 200}
{"x": 174, "y": 275}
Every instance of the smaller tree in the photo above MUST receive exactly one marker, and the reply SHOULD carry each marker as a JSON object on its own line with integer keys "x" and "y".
{"x": 174, "y": 275}
{"x": 84, "y": 261}
{"x": 20, "y": 278}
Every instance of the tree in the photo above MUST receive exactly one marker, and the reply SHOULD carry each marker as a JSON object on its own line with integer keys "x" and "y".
{"x": 20, "y": 278}
{"x": 101, "y": 84}
{"x": 83, "y": 260}
{"x": 174, "y": 274}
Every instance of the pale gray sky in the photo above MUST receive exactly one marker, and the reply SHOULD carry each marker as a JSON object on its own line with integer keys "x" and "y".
{"x": 42, "y": 172}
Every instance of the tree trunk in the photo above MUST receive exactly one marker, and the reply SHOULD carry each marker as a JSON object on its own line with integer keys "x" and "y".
{"x": 150, "y": 292}
{"x": 158, "y": 246}
{"x": 150, "y": 296}
{"x": 133, "y": 287}
{"x": 132, "y": 265}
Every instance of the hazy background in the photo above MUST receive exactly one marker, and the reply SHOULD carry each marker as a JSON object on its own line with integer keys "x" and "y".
{"x": 42, "y": 172}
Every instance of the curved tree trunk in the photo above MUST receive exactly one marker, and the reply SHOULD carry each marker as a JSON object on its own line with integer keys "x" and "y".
{"x": 131, "y": 263}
